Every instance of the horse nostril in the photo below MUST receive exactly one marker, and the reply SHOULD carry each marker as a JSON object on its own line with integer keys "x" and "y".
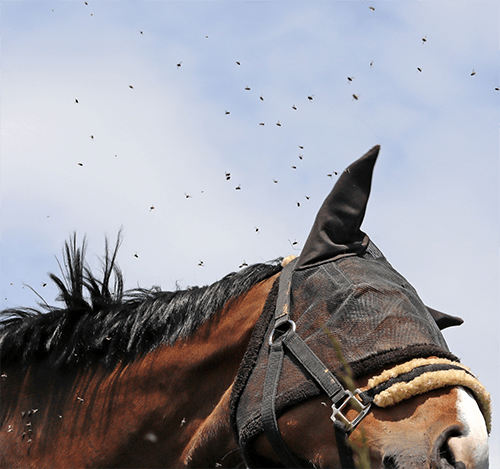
{"x": 390, "y": 463}
{"x": 445, "y": 456}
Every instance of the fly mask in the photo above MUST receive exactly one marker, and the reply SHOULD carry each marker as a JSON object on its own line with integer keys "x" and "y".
{"x": 341, "y": 286}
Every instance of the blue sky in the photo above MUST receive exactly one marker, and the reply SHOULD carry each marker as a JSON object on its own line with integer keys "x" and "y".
{"x": 434, "y": 204}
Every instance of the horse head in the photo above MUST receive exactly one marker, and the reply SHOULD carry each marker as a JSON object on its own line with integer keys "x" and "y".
{"x": 345, "y": 327}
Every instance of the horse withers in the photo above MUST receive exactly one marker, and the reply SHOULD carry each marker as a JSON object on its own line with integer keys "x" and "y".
{"x": 327, "y": 360}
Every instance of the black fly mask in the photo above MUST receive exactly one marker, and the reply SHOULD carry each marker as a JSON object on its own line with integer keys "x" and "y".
{"x": 342, "y": 287}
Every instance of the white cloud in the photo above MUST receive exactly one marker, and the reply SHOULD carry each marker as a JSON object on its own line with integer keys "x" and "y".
{"x": 434, "y": 205}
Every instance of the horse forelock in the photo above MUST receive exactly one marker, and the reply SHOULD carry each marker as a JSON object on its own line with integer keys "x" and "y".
{"x": 100, "y": 322}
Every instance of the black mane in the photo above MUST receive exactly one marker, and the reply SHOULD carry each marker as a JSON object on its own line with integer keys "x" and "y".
{"x": 104, "y": 324}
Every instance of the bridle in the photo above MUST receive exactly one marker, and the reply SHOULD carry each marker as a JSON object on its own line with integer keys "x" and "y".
{"x": 284, "y": 338}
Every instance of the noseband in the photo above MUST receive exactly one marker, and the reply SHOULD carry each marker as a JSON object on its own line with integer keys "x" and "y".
{"x": 400, "y": 382}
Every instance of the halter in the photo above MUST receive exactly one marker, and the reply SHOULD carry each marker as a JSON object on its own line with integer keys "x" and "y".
{"x": 282, "y": 337}
{"x": 392, "y": 386}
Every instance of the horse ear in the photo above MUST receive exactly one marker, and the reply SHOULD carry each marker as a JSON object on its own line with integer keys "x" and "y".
{"x": 444, "y": 320}
{"x": 336, "y": 230}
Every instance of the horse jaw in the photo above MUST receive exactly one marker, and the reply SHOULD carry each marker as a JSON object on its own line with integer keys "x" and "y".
{"x": 472, "y": 447}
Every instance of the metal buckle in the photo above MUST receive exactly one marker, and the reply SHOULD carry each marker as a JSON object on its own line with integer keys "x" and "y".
{"x": 355, "y": 403}
{"x": 291, "y": 324}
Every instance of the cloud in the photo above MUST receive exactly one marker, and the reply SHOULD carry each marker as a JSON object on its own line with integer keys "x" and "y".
{"x": 434, "y": 203}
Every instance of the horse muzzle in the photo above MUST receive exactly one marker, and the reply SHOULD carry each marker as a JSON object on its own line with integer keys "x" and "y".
{"x": 441, "y": 457}
{"x": 462, "y": 446}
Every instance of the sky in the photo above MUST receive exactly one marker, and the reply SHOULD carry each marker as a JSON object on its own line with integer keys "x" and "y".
{"x": 147, "y": 116}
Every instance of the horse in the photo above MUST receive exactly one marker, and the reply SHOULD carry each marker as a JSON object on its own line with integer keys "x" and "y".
{"x": 326, "y": 360}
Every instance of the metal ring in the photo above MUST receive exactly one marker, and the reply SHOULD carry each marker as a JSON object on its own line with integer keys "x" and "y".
{"x": 271, "y": 335}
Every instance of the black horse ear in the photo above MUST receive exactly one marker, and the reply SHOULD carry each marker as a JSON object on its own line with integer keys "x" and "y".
{"x": 444, "y": 320}
{"x": 336, "y": 230}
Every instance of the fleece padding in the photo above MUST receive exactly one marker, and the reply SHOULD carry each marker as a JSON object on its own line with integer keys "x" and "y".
{"x": 423, "y": 375}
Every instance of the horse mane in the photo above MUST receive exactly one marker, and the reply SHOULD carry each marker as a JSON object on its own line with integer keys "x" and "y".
{"x": 102, "y": 323}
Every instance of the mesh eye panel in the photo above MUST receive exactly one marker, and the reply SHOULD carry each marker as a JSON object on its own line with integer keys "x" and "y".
{"x": 366, "y": 305}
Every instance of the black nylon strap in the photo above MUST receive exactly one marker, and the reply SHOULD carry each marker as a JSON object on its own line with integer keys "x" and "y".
{"x": 325, "y": 378}
{"x": 330, "y": 385}
{"x": 275, "y": 363}
{"x": 268, "y": 410}
{"x": 283, "y": 303}
{"x": 343, "y": 448}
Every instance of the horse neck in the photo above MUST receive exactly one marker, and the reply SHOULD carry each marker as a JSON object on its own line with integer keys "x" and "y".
{"x": 177, "y": 394}
{"x": 218, "y": 348}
